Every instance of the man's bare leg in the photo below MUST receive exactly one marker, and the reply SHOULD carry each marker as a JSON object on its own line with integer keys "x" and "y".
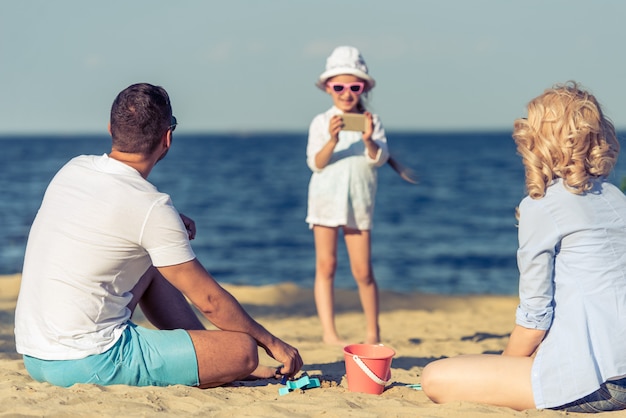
{"x": 162, "y": 304}
{"x": 222, "y": 356}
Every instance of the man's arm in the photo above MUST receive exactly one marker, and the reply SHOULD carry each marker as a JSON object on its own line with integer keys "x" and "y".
{"x": 225, "y": 312}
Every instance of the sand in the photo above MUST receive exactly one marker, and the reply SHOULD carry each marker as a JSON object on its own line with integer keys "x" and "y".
{"x": 419, "y": 327}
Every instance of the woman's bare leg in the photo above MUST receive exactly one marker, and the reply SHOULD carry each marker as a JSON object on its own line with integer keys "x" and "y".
{"x": 325, "y": 267}
{"x": 358, "y": 244}
{"x": 485, "y": 378}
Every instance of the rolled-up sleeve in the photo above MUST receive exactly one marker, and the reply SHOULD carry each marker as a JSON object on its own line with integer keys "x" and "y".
{"x": 378, "y": 136}
{"x": 164, "y": 235}
{"x": 539, "y": 239}
{"x": 318, "y": 136}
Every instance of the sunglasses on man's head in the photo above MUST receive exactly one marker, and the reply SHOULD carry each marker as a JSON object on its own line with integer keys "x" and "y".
{"x": 356, "y": 88}
{"x": 173, "y": 123}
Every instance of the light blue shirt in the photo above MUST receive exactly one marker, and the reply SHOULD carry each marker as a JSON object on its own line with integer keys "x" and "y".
{"x": 572, "y": 262}
{"x": 343, "y": 192}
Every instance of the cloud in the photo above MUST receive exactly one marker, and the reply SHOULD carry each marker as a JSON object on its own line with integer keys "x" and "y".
{"x": 320, "y": 48}
{"x": 221, "y": 52}
{"x": 93, "y": 61}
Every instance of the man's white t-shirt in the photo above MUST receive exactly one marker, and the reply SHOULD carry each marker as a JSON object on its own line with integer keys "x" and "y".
{"x": 100, "y": 227}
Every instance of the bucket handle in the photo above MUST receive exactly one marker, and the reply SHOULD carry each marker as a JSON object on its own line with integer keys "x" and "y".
{"x": 368, "y": 372}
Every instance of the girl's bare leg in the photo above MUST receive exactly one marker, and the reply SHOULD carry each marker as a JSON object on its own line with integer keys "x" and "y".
{"x": 325, "y": 266}
{"x": 485, "y": 378}
{"x": 358, "y": 244}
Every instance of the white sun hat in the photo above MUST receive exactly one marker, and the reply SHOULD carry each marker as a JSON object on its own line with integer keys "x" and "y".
{"x": 345, "y": 60}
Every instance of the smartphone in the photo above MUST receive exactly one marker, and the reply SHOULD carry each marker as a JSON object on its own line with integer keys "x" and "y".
{"x": 353, "y": 122}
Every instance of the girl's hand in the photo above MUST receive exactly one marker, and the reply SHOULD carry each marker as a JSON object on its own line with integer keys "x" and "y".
{"x": 369, "y": 127}
{"x": 335, "y": 125}
{"x": 370, "y": 145}
{"x": 322, "y": 158}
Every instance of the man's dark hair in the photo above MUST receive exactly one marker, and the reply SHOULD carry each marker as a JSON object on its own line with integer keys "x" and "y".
{"x": 140, "y": 115}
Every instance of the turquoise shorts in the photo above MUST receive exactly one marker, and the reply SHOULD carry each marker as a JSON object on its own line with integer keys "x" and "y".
{"x": 141, "y": 357}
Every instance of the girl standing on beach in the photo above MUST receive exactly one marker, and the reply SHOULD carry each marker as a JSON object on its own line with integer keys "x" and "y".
{"x": 568, "y": 348}
{"x": 343, "y": 187}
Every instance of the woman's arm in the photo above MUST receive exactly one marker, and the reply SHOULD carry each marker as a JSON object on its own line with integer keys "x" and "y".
{"x": 538, "y": 239}
{"x": 523, "y": 341}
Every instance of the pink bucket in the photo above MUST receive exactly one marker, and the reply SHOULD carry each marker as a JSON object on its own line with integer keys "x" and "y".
{"x": 368, "y": 367}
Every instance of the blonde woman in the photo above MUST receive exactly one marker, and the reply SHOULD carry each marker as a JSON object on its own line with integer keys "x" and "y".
{"x": 568, "y": 348}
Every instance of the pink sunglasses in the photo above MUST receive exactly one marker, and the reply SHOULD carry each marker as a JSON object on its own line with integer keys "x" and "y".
{"x": 356, "y": 88}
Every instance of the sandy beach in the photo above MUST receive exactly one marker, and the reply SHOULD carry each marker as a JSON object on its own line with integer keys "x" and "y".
{"x": 419, "y": 327}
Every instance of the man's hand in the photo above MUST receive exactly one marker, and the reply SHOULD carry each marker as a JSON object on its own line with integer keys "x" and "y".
{"x": 288, "y": 356}
{"x": 190, "y": 226}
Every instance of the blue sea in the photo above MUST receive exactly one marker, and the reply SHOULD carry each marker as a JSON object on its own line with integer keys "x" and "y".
{"x": 453, "y": 233}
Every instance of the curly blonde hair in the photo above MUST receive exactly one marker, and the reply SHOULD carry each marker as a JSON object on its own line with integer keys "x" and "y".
{"x": 565, "y": 136}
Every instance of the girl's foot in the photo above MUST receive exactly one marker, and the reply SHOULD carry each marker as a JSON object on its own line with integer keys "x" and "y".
{"x": 334, "y": 340}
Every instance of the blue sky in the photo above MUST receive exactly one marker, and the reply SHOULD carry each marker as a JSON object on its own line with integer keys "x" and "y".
{"x": 250, "y": 65}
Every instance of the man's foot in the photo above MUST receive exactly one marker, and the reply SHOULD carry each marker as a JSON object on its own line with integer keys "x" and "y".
{"x": 264, "y": 372}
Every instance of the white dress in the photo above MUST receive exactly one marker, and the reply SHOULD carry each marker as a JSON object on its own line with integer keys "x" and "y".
{"x": 343, "y": 192}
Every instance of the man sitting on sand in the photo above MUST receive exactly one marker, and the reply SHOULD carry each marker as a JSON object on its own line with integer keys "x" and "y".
{"x": 106, "y": 240}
